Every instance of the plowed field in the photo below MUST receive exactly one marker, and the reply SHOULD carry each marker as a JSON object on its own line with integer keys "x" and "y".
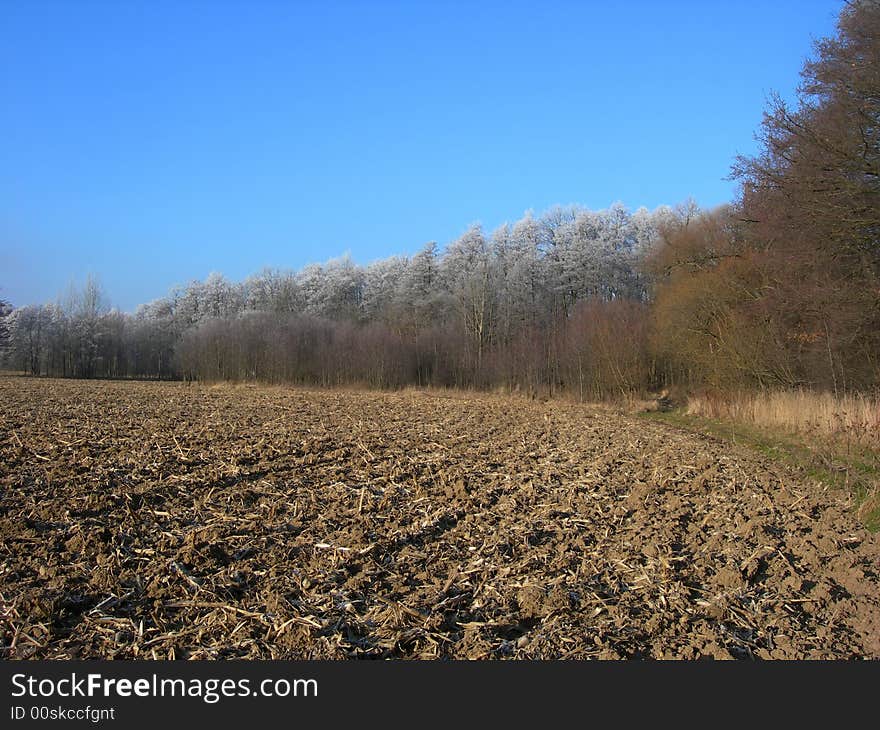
{"x": 156, "y": 520}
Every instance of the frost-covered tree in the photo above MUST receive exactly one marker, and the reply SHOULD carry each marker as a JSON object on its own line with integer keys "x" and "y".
{"x": 5, "y": 311}
{"x": 421, "y": 300}
{"x": 272, "y": 290}
{"x": 31, "y": 334}
{"x": 341, "y": 292}
{"x": 520, "y": 275}
{"x": 381, "y": 280}
{"x": 218, "y": 297}
{"x": 467, "y": 275}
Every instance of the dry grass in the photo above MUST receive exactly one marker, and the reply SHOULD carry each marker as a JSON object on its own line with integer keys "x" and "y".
{"x": 851, "y": 418}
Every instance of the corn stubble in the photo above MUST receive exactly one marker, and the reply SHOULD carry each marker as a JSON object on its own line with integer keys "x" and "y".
{"x": 154, "y": 521}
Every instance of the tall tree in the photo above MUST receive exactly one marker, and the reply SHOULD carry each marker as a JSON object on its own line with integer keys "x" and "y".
{"x": 812, "y": 200}
{"x": 467, "y": 272}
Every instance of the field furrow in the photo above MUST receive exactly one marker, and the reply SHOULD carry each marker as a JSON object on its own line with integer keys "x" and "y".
{"x": 164, "y": 520}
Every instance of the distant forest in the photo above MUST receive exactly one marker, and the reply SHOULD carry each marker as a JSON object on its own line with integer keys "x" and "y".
{"x": 780, "y": 288}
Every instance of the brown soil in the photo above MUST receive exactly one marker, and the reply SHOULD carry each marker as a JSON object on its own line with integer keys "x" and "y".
{"x": 146, "y": 520}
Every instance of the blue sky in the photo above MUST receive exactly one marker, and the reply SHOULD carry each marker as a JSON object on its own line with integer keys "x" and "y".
{"x": 150, "y": 143}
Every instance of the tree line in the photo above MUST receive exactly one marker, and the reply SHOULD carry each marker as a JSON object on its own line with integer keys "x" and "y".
{"x": 516, "y": 308}
{"x": 780, "y": 288}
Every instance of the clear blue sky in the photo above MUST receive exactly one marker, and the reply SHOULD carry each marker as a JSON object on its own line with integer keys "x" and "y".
{"x": 151, "y": 143}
